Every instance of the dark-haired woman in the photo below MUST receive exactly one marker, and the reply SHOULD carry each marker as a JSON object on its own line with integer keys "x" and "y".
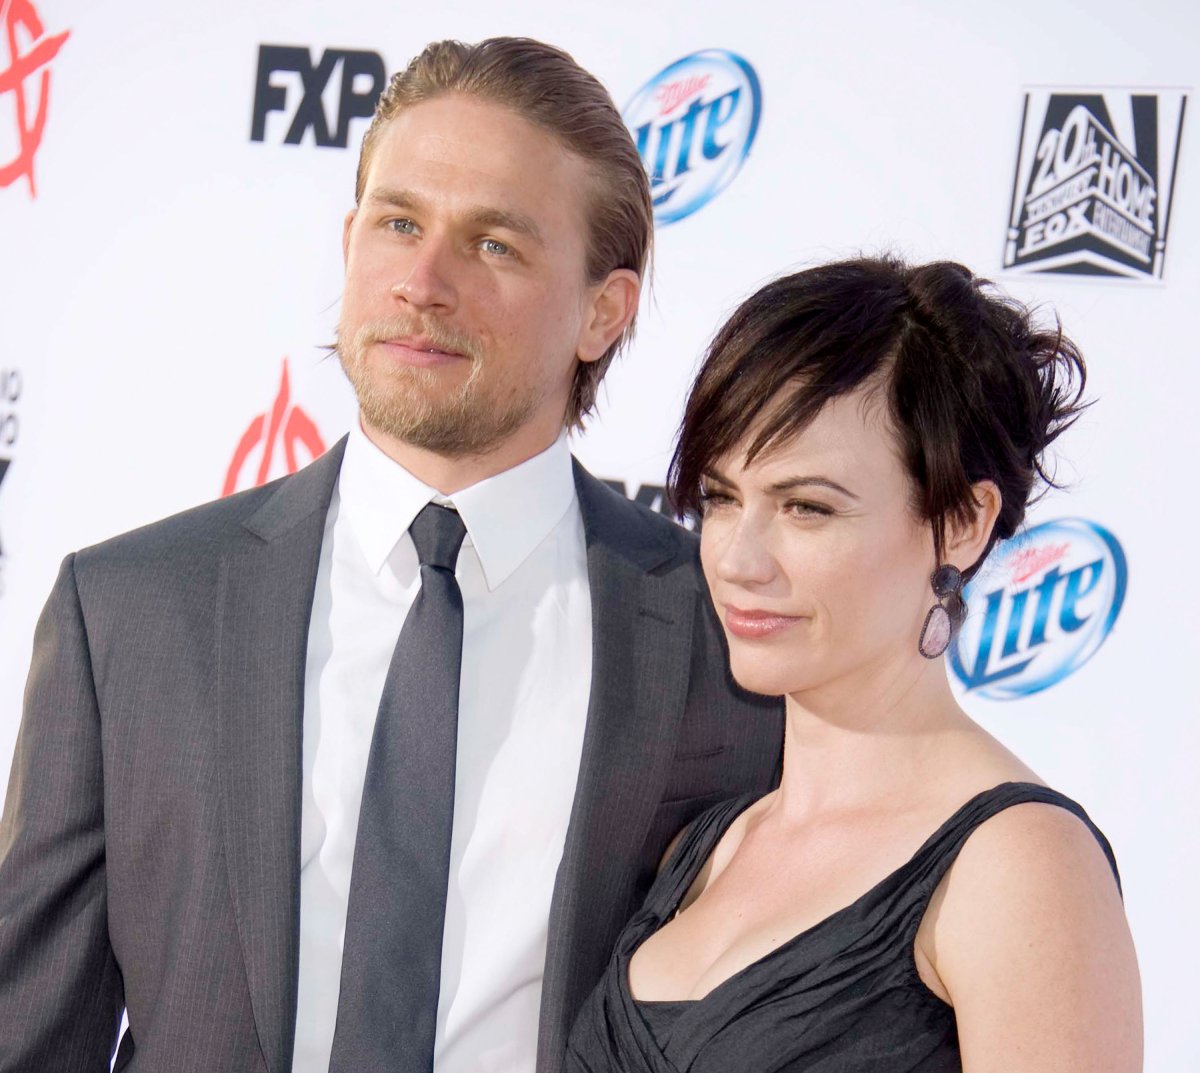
{"x": 911, "y": 897}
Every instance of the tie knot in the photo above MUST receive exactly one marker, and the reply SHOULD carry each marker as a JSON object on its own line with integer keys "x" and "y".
{"x": 438, "y": 533}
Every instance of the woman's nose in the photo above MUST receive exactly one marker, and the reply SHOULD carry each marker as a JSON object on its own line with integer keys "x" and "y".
{"x": 744, "y": 556}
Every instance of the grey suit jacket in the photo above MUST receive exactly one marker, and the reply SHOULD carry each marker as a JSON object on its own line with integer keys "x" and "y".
{"x": 150, "y": 843}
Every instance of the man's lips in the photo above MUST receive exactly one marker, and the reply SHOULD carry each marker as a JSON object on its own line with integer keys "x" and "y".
{"x": 418, "y": 351}
{"x": 752, "y": 624}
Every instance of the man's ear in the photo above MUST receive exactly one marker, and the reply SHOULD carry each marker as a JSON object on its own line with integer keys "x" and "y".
{"x": 965, "y": 543}
{"x": 611, "y": 305}
{"x": 346, "y": 234}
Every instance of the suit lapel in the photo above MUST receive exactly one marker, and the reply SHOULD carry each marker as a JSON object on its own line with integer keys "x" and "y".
{"x": 641, "y": 650}
{"x": 264, "y": 603}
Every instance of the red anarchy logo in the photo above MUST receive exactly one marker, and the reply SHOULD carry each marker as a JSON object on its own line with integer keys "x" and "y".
{"x": 293, "y": 426}
{"x": 21, "y": 13}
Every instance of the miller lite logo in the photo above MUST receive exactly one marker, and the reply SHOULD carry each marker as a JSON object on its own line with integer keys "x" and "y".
{"x": 1039, "y": 609}
{"x": 694, "y": 124}
{"x": 1094, "y": 182}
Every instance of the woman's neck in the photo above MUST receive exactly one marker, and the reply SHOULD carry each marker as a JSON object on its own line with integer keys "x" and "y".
{"x": 863, "y": 739}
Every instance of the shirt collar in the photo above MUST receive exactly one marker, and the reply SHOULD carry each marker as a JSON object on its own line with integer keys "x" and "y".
{"x": 506, "y": 516}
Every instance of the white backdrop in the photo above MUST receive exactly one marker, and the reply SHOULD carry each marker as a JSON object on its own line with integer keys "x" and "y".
{"x": 163, "y": 266}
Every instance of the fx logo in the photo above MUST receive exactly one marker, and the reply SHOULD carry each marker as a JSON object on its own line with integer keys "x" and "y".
{"x": 361, "y": 81}
{"x": 648, "y": 495}
{"x": 34, "y": 64}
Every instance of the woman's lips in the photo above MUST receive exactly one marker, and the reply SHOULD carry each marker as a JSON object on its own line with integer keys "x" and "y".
{"x": 756, "y": 624}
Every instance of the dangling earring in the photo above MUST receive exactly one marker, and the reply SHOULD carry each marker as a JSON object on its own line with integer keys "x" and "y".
{"x": 946, "y": 615}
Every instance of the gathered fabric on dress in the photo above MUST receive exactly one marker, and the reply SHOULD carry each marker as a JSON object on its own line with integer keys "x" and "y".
{"x": 843, "y": 996}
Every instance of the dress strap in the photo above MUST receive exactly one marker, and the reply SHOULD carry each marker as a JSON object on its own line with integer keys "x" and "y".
{"x": 697, "y": 841}
{"x": 933, "y": 860}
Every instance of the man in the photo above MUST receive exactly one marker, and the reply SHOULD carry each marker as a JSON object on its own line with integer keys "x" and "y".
{"x": 242, "y": 752}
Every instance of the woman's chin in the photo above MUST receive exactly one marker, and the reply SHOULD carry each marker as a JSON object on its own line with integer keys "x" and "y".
{"x": 767, "y": 681}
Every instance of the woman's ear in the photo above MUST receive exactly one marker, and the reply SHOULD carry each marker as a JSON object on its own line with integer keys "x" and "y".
{"x": 965, "y": 542}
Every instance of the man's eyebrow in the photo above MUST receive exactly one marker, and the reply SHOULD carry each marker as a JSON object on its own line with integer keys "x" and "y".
{"x": 397, "y": 199}
{"x": 480, "y": 216}
{"x": 516, "y": 222}
{"x": 788, "y": 484}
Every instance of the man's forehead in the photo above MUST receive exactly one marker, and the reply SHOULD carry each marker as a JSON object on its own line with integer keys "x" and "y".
{"x": 482, "y": 158}
{"x": 455, "y": 125}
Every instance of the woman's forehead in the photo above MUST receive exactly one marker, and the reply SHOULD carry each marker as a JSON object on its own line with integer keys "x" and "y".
{"x": 848, "y": 433}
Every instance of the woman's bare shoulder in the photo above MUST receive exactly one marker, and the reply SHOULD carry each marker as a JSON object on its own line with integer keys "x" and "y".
{"x": 1027, "y": 938}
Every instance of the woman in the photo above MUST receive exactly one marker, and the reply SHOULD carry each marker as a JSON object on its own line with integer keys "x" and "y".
{"x": 911, "y": 897}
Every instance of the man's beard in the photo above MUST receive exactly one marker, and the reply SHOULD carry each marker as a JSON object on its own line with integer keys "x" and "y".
{"x": 400, "y": 400}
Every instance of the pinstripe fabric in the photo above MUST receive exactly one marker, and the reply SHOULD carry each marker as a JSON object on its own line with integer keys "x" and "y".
{"x": 149, "y": 847}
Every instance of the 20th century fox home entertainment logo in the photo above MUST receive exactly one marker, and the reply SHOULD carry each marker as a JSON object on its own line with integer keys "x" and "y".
{"x": 1094, "y": 181}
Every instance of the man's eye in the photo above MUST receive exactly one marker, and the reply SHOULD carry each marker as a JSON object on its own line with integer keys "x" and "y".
{"x": 499, "y": 249}
{"x": 402, "y": 226}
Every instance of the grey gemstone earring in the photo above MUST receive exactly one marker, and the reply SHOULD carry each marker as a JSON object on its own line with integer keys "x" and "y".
{"x": 946, "y": 615}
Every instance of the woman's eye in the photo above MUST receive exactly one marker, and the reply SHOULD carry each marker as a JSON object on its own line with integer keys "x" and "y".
{"x": 710, "y": 501}
{"x": 804, "y": 509}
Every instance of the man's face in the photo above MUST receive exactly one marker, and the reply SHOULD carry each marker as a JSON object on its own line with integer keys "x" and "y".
{"x": 466, "y": 300}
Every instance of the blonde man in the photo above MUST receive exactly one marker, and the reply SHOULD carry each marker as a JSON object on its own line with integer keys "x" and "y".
{"x": 215, "y": 820}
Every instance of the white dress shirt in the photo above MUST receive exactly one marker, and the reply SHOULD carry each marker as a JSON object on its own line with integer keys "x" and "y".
{"x": 526, "y": 673}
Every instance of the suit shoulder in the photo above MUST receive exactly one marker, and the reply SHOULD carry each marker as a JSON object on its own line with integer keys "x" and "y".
{"x": 186, "y": 534}
{"x": 199, "y": 534}
{"x": 611, "y": 516}
{"x": 685, "y": 542}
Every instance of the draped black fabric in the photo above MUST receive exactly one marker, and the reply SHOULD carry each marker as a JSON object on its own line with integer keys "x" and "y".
{"x": 843, "y": 996}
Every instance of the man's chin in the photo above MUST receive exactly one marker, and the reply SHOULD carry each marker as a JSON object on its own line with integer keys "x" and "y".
{"x": 411, "y": 393}
{"x": 449, "y": 432}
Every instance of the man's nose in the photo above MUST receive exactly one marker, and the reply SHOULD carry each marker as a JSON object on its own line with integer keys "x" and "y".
{"x": 427, "y": 280}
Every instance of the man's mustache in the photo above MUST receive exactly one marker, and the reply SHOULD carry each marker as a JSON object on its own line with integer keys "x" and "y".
{"x": 438, "y": 334}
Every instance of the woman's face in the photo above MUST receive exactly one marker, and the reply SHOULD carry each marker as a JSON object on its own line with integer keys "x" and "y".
{"x": 817, "y": 564}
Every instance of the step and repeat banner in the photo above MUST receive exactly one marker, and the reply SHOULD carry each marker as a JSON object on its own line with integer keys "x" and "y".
{"x": 173, "y": 181}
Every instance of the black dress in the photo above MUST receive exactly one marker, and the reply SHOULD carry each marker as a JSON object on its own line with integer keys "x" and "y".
{"x": 841, "y": 997}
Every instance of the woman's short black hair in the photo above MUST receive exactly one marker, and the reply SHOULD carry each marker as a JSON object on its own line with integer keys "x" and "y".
{"x": 975, "y": 390}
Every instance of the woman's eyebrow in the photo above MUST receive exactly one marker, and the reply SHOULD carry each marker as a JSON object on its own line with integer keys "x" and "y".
{"x": 790, "y": 483}
{"x": 716, "y": 477}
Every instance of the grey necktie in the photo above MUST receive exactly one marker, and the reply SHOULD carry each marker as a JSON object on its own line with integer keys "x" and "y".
{"x": 391, "y": 962}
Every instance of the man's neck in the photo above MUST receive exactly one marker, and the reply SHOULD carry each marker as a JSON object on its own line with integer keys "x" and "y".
{"x": 450, "y": 474}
